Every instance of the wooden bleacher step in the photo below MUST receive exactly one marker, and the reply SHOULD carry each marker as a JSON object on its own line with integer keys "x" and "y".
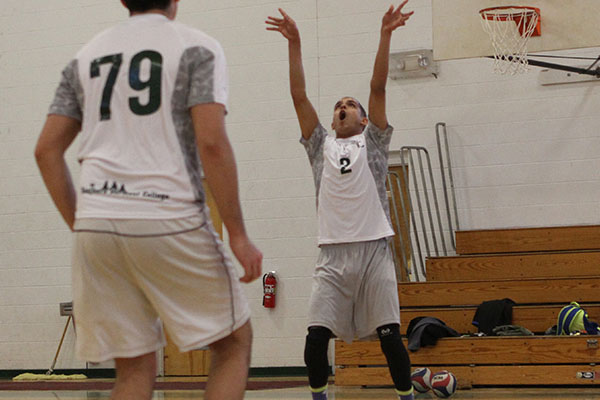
{"x": 484, "y": 351}
{"x": 522, "y": 291}
{"x": 541, "y": 269}
{"x": 519, "y": 240}
{"x": 520, "y": 360}
{"x": 481, "y": 375}
{"x": 520, "y": 265}
{"x": 554, "y": 359}
{"x": 535, "y": 318}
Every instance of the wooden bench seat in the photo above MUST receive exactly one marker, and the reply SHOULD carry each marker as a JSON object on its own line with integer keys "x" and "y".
{"x": 522, "y": 291}
{"x": 479, "y": 360}
{"x": 515, "y": 266}
{"x": 535, "y": 318}
{"x": 482, "y": 375}
{"x": 520, "y": 240}
{"x": 491, "y": 350}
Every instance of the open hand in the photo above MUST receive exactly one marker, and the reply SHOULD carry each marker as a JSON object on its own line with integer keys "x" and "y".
{"x": 394, "y": 18}
{"x": 286, "y": 26}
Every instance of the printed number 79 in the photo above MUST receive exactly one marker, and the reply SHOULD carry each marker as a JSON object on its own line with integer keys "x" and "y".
{"x": 153, "y": 83}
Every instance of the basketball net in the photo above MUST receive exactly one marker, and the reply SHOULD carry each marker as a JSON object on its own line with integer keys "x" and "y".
{"x": 510, "y": 28}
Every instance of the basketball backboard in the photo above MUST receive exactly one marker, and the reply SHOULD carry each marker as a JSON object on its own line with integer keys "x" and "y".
{"x": 565, "y": 24}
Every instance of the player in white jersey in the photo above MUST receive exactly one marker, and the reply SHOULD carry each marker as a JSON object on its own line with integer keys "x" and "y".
{"x": 148, "y": 100}
{"x": 355, "y": 290}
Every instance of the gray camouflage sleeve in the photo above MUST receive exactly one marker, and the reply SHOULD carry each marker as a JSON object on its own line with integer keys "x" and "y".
{"x": 314, "y": 149}
{"x": 68, "y": 98}
{"x": 314, "y": 145}
{"x": 380, "y": 138}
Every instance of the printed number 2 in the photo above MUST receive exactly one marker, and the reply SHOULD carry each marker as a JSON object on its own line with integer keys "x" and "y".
{"x": 153, "y": 83}
{"x": 345, "y": 161}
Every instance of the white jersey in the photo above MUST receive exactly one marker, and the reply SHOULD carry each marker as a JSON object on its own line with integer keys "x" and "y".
{"x": 131, "y": 87}
{"x": 350, "y": 177}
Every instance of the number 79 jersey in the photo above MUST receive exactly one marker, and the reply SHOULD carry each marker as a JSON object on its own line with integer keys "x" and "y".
{"x": 350, "y": 176}
{"x": 132, "y": 87}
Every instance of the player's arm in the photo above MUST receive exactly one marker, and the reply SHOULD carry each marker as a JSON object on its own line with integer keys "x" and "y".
{"x": 307, "y": 116}
{"x": 220, "y": 171}
{"x": 57, "y": 135}
{"x": 392, "y": 19}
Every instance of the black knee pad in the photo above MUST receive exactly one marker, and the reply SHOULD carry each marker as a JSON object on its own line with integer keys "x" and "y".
{"x": 315, "y": 355}
{"x": 389, "y": 336}
{"x": 396, "y": 355}
{"x": 317, "y": 342}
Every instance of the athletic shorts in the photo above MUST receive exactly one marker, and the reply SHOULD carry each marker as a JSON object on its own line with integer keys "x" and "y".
{"x": 355, "y": 290}
{"x": 132, "y": 276}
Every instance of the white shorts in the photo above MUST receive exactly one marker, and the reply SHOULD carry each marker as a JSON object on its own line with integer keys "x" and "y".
{"x": 355, "y": 290}
{"x": 132, "y": 276}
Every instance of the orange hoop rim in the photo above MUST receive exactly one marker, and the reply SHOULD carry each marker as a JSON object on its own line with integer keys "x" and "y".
{"x": 486, "y": 13}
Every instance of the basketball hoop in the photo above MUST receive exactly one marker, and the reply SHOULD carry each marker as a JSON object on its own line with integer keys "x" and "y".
{"x": 510, "y": 28}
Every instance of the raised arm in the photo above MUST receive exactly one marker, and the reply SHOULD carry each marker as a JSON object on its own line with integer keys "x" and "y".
{"x": 392, "y": 19}
{"x": 307, "y": 116}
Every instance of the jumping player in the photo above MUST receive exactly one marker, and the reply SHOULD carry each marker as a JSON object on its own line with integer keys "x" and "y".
{"x": 355, "y": 291}
{"x": 148, "y": 100}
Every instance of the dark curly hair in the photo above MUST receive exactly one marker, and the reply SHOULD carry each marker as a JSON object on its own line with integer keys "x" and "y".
{"x": 145, "y": 5}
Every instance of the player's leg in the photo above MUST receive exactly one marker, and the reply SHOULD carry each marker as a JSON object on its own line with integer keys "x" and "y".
{"x": 329, "y": 312}
{"x": 230, "y": 360}
{"x": 397, "y": 359}
{"x": 315, "y": 357}
{"x": 114, "y": 318}
{"x": 208, "y": 307}
{"x": 378, "y": 309}
{"x": 135, "y": 378}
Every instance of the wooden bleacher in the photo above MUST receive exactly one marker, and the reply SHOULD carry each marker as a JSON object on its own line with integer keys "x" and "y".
{"x": 541, "y": 269}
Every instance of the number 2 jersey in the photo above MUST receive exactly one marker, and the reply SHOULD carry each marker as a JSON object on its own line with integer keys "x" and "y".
{"x": 350, "y": 176}
{"x": 132, "y": 87}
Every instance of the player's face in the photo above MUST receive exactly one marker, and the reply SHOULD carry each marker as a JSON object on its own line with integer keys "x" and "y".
{"x": 347, "y": 118}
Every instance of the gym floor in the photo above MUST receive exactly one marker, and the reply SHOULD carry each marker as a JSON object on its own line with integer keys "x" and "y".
{"x": 336, "y": 393}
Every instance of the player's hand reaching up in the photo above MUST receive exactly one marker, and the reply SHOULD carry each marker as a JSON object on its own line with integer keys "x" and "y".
{"x": 286, "y": 26}
{"x": 394, "y": 18}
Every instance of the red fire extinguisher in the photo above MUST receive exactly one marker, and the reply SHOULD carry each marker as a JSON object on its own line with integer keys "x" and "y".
{"x": 269, "y": 286}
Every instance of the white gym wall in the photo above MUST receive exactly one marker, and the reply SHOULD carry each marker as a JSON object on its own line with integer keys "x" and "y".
{"x": 524, "y": 155}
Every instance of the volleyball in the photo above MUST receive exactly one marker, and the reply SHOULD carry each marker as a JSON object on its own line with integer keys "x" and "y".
{"x": 421, "y": 379}
{"x": 443, "y": 384}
